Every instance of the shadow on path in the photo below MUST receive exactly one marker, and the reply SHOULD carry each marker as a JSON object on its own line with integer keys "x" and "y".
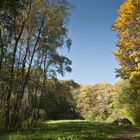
{"x": 126, "y": 135}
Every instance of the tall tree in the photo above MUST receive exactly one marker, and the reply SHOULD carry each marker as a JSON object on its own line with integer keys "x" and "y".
{"x": 128, "y": 48}
{"x": 128, "y": 53}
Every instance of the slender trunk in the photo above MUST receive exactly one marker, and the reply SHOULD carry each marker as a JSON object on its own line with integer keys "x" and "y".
{"x": 33, "y": 122}
{"x": 22, "y": 76}
{"x": 42, "y": 92}
{"x": 7, "y": 110}
{"x": 21, "y": 94}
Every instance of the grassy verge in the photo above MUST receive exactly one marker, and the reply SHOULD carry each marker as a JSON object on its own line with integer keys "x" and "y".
{"x": 69, "y": 130}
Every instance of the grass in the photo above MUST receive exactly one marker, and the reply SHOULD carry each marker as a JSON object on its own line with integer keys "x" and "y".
{"x": 70, "y": 130}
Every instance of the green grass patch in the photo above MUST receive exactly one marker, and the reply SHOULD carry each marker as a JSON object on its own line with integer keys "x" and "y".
{"x": 68, "y": 130}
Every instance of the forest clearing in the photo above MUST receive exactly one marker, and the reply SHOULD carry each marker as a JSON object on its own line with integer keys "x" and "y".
{"x": 70, "y": 73}
{"x": 75, "y": 130}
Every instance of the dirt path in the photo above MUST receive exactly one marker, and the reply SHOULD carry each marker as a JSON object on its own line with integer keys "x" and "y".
{"x": 125, "y": 136}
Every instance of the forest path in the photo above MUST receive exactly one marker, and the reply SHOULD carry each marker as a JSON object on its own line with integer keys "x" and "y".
{"x": 126, "y": 135}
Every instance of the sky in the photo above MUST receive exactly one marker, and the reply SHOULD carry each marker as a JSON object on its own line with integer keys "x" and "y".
{"x": 93, "y": 41}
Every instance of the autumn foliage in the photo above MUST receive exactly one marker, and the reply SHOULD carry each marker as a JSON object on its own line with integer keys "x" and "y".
{"x": 128, "y": 48}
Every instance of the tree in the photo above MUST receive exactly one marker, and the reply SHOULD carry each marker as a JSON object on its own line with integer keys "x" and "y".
{"x": 32, "y": 32}
{"x": 126, "y": 101}
{"x": 128, "y": 48}
{"x": 58, "y": 101}
{"x": 93, "y": 102}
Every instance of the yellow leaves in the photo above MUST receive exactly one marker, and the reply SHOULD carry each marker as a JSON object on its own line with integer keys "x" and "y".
{"x": 138, "y": 66}
{"x": 134, "y": 74}
{"x": 136, "y": 59}
{"x": 128, "y": 26}
{"x": 117, "y": 53}
{"x": 126, "y": 15}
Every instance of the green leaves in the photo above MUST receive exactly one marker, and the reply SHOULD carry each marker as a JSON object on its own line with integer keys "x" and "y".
{"x": 31, "y": 33}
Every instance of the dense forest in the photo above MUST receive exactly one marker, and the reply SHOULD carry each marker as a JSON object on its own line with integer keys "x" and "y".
{"x": 33, "y": 34}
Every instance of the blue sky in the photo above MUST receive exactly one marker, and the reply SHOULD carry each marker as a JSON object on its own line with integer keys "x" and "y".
{"x": 93, "y": 41}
